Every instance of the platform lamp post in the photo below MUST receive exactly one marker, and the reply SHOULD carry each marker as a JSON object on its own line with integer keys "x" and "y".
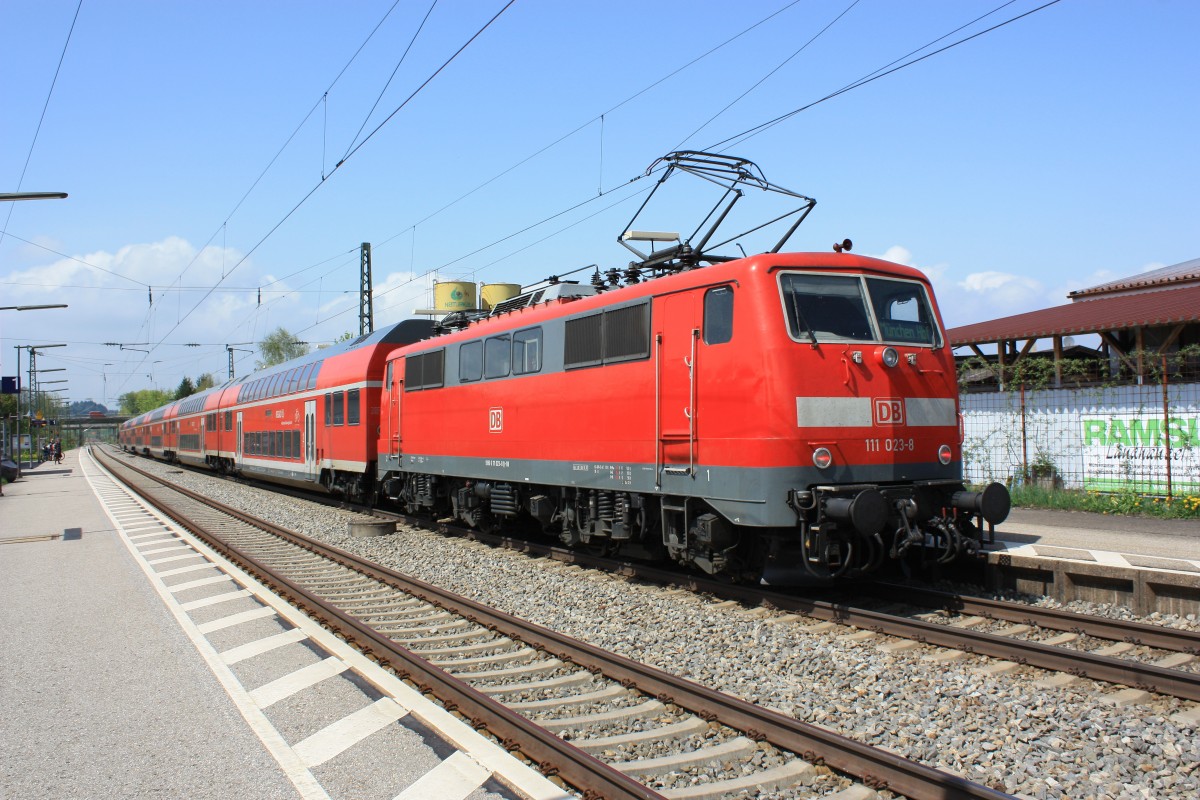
{"x": 6, "y": 443}
{"x": 33, "y": 351}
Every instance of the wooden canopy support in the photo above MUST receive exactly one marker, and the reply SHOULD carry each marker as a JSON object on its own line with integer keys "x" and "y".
{"x": 1107, "y": 338}
{"x": 1171, "y": 339}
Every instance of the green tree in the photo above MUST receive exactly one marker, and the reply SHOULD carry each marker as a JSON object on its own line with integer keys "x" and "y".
{"x": 186, "y": 388}
{"x": 278, "y": 347}
{"x": 205, "y": 381}
{"x": 143, "y": 400}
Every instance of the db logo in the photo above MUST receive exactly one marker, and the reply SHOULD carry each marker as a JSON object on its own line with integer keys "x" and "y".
{"x": 888, "y": 411}
{"x": 495, "y": 419}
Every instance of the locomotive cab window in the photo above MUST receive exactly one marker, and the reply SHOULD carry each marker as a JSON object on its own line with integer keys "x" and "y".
{"x": 718, "y": 315}
{"x": 903, "y": 312}
{"x": 827, "y": 307}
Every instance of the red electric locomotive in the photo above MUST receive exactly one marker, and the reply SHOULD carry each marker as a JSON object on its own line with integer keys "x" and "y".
{"x": 766, "y": 412}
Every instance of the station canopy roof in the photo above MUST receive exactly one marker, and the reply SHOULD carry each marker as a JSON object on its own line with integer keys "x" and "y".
{"x": 1168, "y": 296}
{"x": 1187, "y": 272}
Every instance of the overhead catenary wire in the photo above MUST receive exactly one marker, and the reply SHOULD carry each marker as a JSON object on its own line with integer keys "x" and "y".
{"x": 391, "y": 77}
{"x": 342, "y": 162}
{"x": 877, "y": 74}
{"x": 41, "y": 119}
{"x": 771, "y": 72}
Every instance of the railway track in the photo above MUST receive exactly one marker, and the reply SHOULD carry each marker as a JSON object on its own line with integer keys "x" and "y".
{"x": 1143, "y": 657}
{"x": 535, "y": 689}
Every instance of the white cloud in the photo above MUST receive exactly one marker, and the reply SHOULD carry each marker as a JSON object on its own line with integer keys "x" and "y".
{"x": 978, "y": 296}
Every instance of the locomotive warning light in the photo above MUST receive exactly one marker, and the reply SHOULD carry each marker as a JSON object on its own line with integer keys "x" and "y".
{"x": 822, "y": 458}
{"x": 944, "y": 454}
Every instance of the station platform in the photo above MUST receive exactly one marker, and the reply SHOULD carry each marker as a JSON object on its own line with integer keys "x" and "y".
{"x": 1146, "y": 563}
{"x": 102, "y": 694}
{"x": 134, "y": 663}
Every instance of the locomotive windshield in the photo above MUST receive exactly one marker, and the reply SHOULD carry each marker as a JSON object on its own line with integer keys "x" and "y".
{"x": 830, "y": 308}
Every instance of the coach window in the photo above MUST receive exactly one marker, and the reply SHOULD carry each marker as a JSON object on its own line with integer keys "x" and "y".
{"x": 497, "y": 353}
{"x": 527, "y": 351}
{"x": 339, "y": 411}
{"x": 328, "y": 410}
{"x": 352, "y": 407}
{"x": 718, "y": 315}
{"x": 470, "y": 362}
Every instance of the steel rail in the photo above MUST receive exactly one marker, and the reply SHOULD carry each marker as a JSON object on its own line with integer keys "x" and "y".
{"x": 1119, "y": 630}
{"x": 878, "y": 768}
{"x": 552, "y": 754}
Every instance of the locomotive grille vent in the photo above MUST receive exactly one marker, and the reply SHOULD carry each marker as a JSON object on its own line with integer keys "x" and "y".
{"x": 620, "y": 334}
{"x": 627, "y": 333}
{"x": 584, "y": 345}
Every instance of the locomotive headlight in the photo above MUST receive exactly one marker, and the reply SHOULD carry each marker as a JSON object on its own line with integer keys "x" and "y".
{"x": 888, "y": 356}
{"x": 822, "y": 458}
{"x": 945, "y": 454}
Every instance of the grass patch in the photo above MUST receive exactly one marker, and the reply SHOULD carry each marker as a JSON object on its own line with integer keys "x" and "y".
{"x": 1125, "y": 502}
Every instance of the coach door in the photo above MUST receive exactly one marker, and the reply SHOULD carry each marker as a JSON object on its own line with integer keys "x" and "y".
{"x": 310, "y": 437}
{"x": 675, "y": 341}
{"x": 237, "y": 442}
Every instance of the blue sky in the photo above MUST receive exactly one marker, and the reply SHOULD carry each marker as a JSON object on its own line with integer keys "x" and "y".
{"x": 1052, "y": 154}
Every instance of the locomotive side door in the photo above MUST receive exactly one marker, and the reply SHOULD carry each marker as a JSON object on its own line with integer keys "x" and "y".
{"x": 310, "y": 438}
{"x": 675, "y": 341}
{"x": 395, "y": 388}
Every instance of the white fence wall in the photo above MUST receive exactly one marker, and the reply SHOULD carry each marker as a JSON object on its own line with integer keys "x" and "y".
{"x": 1094, "y": 438}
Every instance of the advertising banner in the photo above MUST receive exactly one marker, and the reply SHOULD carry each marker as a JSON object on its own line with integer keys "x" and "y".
{"x": 1129, "y": 451}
